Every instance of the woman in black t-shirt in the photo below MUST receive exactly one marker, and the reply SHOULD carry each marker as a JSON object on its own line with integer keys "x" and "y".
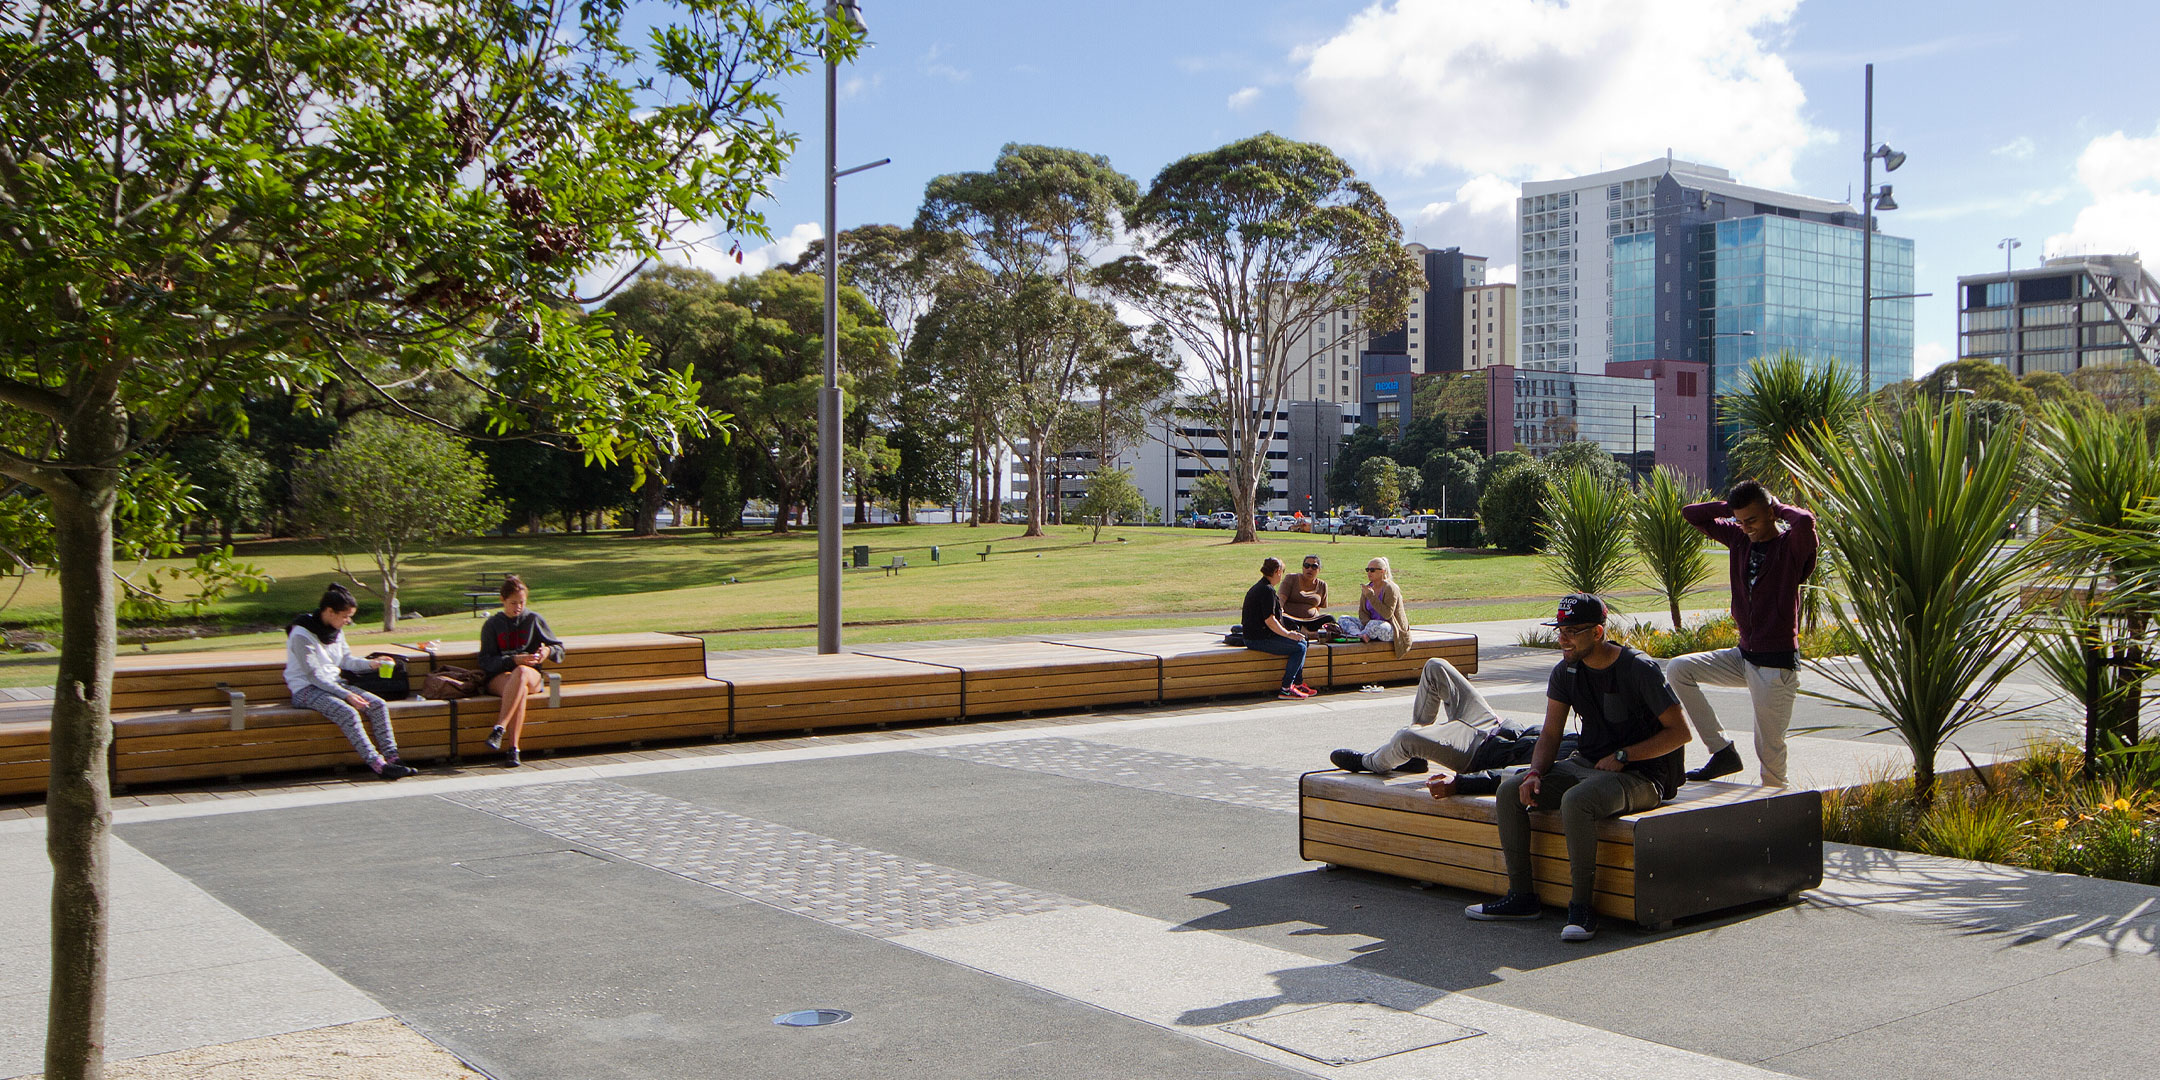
{"x": 1264, "y": 630}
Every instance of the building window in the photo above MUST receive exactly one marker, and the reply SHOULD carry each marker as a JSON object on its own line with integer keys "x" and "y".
{"x": 1686, "y": 383}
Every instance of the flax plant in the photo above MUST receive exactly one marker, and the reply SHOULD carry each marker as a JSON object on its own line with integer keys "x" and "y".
{"x": 1586, "y": 546}
{"x": 1784, "y": 403}
{"x": 1911, "y": 514}
{"x": 1670, "y": 548}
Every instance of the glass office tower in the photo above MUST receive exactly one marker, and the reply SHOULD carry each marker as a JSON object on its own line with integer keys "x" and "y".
{"x": 1770, "y": 284}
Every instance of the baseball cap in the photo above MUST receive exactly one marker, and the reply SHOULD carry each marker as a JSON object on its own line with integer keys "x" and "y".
{"x": 1578, "y": 609}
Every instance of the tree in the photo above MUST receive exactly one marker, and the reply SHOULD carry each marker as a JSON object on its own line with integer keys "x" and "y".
{"x": 1449, "y": 481}
{"x": 1242, "y": 251}
{"x": 2130, "y": 387}
{"x": 1670, "y": 548}
{"x": 1209, "y": 495}
{"x": 1510, "y": 507}
{"x": 1784, "y": 402}
{"x": 1584, "y": 456}
{"x": 676, "y": 310}
{"x": 230, "y": 479}
{"x": 1111, "y": 496}
{"x": 1380, "y": 486}
{"x": 1912, "y": 513}
{"x": 389, "y": 488}
{"x": 201, "y": 200}
{"x": 1984, "y": 379}
{"x": 1031, "y": 227}
{"x": 1364, "y": 443}
{"x": 1491, "y": 467}
{"x": 2055, "y": 388}
{"x": 1586, "y": 540}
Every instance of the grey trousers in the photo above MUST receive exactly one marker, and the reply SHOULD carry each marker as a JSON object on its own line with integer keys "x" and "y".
{"x": 1584, "y": 794}
{"x": 340, "y": 712}
{"x": 1470, "y": 720}
{"x": 1771, "y": 690}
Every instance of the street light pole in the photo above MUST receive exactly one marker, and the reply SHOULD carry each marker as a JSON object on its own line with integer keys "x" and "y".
{"x": 829, "y": 403}
{"x": 1870, "y": 200}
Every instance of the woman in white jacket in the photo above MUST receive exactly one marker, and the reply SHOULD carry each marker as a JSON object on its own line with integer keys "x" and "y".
{"x": 315, "y": 658}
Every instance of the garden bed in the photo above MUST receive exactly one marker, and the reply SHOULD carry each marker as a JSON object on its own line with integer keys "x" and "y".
{"x": 1719, "y": 632}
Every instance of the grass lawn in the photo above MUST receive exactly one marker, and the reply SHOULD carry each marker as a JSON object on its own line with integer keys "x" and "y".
{"x": 608, "y": 582}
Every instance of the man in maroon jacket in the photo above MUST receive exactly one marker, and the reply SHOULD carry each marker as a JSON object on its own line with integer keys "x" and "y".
{"x": 1773, "y": 553}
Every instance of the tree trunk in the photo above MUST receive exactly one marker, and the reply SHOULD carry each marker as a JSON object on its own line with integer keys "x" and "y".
{"x": 646, "y": 520}
{"x": 78, "y": 802}
{"x": 1242, "y": 492}
{"x": 1035, "y": 462}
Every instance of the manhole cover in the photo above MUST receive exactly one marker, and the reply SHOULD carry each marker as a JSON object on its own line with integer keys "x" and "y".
{"x": 813, "y": 1017}
{"x": 1347, "y": 1033}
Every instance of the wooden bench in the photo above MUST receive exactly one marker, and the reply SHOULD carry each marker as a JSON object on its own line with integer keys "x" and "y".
{"x": 1029, "y": 676}
{"x": 1715, "y": 846}
{"x": 803, "y": 691}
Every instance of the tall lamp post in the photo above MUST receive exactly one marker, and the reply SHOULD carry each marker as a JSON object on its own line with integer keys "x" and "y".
{"x": 1635, "y": 419}
{"x": 1871, "y": 201}
{"x": 829, "y": 404}
{"x": 2009, "y": 246}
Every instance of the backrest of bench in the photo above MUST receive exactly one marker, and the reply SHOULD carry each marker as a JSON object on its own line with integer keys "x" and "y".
{"x": 604, "y": 657}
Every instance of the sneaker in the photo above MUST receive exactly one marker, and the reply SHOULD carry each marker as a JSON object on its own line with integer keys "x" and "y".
{"x": 391, "y": 770}
{"x": 1347, "y": 760}
{"x": 510, "y": 759}
{"x": 1581, "y": 923}
{"x": 1514, "y": 907}
{"x": 1414, "y": 765}
{"x": 1723, "y": 763}
{"x": 495, "y": 738}
{"x": 1308, "y": 691}
{"x": 1290, "y": 693}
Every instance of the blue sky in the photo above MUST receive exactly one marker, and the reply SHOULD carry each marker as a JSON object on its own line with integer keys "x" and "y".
{"x": 2018, "y": 122}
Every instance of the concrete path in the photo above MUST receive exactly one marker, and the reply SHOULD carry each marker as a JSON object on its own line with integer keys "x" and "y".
{"x": 1115, "y": 896}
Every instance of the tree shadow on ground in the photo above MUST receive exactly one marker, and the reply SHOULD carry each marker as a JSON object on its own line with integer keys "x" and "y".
{"x": 2013, "y": 905}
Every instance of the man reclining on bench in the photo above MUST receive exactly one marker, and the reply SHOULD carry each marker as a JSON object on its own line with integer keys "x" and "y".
{"x": 1475, "y": 745}
{"x": 1628, "y": 761}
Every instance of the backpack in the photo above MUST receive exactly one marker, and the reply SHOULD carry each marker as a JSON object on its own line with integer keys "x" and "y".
{"x": 1235, "y": 638}
{"x": 397, "y": 686}
{"x": 447, "y": 682}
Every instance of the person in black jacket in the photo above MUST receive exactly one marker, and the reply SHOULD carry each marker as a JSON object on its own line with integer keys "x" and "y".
{"x": 514, "y": 644}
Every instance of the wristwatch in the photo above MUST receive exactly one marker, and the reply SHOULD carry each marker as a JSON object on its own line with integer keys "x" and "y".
{"x": 1620, "y": 755}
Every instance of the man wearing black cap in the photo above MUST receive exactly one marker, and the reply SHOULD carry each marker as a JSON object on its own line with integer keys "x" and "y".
{"x": 1628, "y": 761}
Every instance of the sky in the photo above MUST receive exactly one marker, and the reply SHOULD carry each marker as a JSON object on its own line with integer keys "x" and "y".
{"x": 2017, "y": 123}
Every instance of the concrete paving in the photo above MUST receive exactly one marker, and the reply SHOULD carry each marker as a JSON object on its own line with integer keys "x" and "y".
{"x": 1118, "y": 896}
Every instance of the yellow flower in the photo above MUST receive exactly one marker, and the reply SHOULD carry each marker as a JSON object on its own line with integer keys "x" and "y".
{"x": 2122, "y": 805}
{"x": 2061, "y": 824}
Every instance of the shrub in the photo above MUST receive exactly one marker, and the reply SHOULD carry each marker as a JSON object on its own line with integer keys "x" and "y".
{"x": 1508, "y": 507}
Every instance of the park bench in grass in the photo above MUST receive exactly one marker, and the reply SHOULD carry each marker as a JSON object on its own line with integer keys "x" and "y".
{"x": 1715, "y": 846}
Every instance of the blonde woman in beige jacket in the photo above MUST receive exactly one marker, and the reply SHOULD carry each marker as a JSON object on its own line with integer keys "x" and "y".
{"x": 1381, "y": 615}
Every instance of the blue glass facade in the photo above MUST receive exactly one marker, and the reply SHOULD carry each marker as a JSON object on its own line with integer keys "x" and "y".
{"x": 1555, "y": 407}
{"x": 1634, "y": 297}
{"x": 1770, "y": 283}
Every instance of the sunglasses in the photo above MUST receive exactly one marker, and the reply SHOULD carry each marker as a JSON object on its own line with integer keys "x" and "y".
{"x": 1312, "y": 566}
{"x": 1372, "y": 569}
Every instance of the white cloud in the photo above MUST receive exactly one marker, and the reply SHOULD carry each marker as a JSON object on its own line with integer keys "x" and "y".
{"x": 1480, "y": 219}
{"x": 1927, "y": 356}
{"x": 932, "y": 66}
{"x": 2019, "y": 148}
{"x": 1244, "y": 97}
{"x": 1501, "y": 275}
{"x": 1531, "y": 89}
{"x": 2123, "y": 175}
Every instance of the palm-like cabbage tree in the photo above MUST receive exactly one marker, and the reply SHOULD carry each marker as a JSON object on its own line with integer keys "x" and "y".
{"x": 1912, "y": 513}
{"x": 1670, "y": 548}
{"x": 1586, "y": 538}
{"x": 1784, "y": 402}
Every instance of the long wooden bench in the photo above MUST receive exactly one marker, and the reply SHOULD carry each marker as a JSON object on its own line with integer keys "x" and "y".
{"x": 194, "y": 716}
{"x": 1715, "y": 846}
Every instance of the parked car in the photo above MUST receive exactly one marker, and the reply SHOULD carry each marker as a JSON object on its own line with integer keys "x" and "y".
{"x": 1357, "y": 525}
{"x": 1416, "y": 525}
{"x": 1222, "y": 519}
{"x": 1386, "y": 527}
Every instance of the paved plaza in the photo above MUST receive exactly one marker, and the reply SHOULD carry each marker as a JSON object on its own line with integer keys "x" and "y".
{"x": 1101, "y": 896}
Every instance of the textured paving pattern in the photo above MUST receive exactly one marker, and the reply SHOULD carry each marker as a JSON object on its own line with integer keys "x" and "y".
{"x": 1147, "y": 770}
{"x": 857, "y": 888}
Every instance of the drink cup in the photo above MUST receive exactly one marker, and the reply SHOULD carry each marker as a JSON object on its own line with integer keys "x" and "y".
{"x": 386, "y": 668}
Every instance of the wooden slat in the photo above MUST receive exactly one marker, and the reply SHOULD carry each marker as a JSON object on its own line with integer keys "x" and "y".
{"x": 1617, "y": 906}
{"x": 1455, "y": 830}
{"x": 1475, "y": 857}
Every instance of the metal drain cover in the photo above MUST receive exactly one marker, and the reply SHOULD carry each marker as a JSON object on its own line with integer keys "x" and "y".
{"x": 1350, "y": 1032}
{"x": 813, "y": 1017}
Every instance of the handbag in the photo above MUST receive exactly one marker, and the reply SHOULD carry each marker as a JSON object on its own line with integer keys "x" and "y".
{"x": 448, "y": 682}
{"x": 396, "y": 686}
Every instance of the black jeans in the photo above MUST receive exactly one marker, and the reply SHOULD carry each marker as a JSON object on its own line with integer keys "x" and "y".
{"x": 1293, "y": 652}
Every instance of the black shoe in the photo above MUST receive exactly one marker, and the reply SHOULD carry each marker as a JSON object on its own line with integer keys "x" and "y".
{"x": 1581, "y": 923}
{"x": 1723, "y": 763}
{"x": 1347, "y": 760}
{"x": 510, "y": 759}
{"x": 1416, "y": 764}
{"x": 1514, "y": 907}
{"x": 495, "y": 738}
{"x": 391, "y": 770}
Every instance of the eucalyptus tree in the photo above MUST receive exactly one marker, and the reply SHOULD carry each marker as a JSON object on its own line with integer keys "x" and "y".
{"x": 1033, "y": 227}
{"x": 1243, "y": 252}
{"x": 203, "y": 198}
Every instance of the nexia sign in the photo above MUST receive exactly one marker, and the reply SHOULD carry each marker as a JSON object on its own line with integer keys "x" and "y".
{"x": 1386, "y": 387}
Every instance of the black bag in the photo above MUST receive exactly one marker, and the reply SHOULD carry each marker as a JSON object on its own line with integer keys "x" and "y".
{"x": 1235, "y": 638}
{"x": 396, "y": 687}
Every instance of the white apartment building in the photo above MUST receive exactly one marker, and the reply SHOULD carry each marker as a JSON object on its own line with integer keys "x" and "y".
{"x": 1431, "y": 334}
{"x": 1489, "y": 328}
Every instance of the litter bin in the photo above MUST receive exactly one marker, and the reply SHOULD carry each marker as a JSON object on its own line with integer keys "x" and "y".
{"x": 862, "y": 555}
{"x": 1452, "y": 533}
{"x": 933, "y": 553}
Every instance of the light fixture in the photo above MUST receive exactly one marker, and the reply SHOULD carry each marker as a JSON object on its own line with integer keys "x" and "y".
{"x": 1891, "y": 159}
{"x": 1883, "y": 201}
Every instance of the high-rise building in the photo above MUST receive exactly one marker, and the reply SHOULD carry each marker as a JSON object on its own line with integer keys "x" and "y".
{"x": 2072, "y": 312}
{"x": 1431, "y": 333}
{"x": 1488, "y": 326}
{"x": 1672, "y": 260}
